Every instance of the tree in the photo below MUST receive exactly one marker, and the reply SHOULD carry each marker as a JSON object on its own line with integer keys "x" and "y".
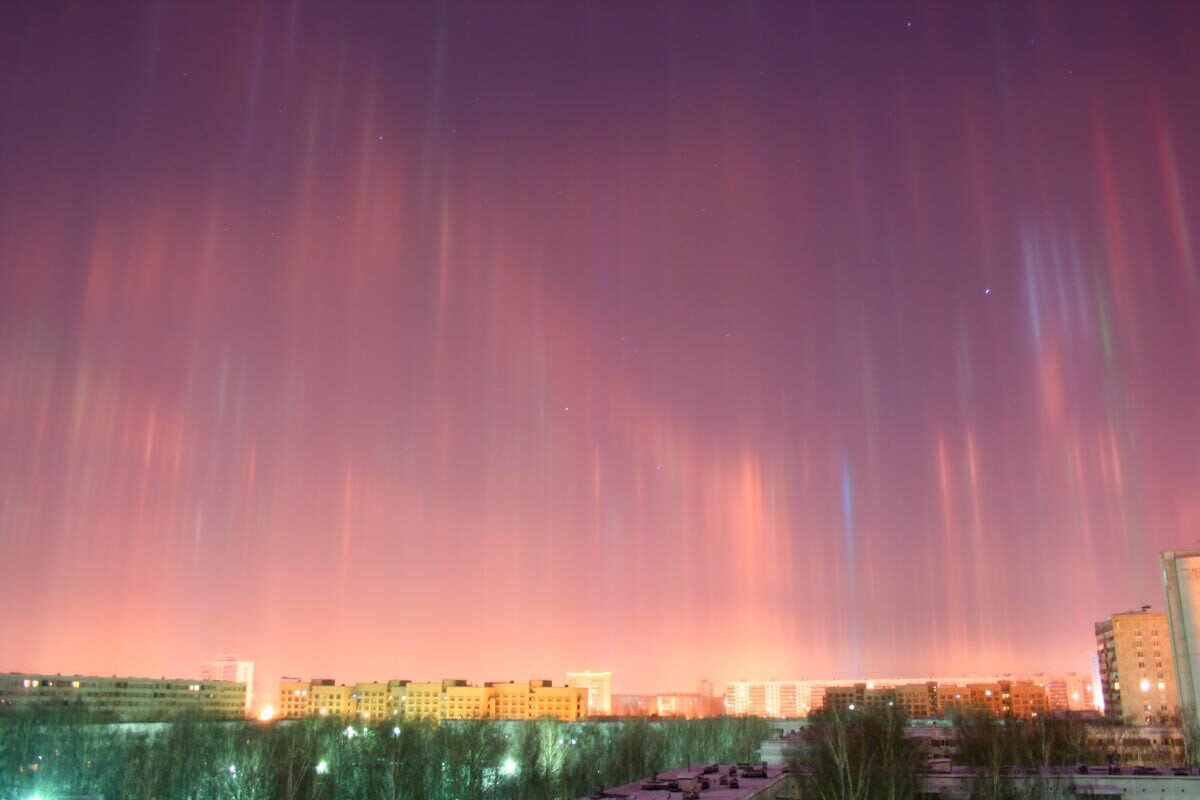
{"x": 856, "y": 756}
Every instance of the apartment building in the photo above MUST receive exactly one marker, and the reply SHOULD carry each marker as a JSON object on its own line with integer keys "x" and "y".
{"x": 1137, "y": 672}
{"x": 450, "y": 699}
{"x": 125, "y": 699}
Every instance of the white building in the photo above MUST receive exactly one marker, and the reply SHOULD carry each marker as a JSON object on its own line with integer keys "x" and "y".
{"x": 1181, "y": 584}
{"x": 227, "y": 667}
{"x": 599, "y": 686}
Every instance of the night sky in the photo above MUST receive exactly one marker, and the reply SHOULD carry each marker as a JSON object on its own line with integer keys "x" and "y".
{"x": 497, "y": 339}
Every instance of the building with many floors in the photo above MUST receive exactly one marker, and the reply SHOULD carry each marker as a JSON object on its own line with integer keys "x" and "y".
{"x": 917, "y": 697}
{"x": 228, "y": 667}
{"x": 125, "y": 699}
{"x": 1137, "y": 675}
{"x": 599, "y": 688}
{"x": 1181, "y": 586}
{"x": 1071, "y": 692}
{"x": 450, "y": 699}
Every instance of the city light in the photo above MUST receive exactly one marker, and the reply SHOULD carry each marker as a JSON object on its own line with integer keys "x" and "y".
{"x": 266, "y": 714}
{"x": 322, "y": 767}
{"x": 350, "y": 733}
{"x": 509, "y": 767}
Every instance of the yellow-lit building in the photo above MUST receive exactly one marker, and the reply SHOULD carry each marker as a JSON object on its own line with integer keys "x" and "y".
{"x": 511, "y": 700}
{"x": 450, "y": 699}
{"x": 463, "y": 701}
{"x": 372, "y": 700}
{"x": 599, "y": 688}
{"x": 293, "y": 698}
{"x": 1137, "y": 673}
{"x": 566, "y": 703}
{"x": 328, "y": 699}
{"x": 422, "y": 700}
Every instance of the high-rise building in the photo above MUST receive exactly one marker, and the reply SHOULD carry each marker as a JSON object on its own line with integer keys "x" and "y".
{"x": 1181, "y": 584}
{"x": 1137, "y": 676}
{"x": 227, "y": 667}
{"x": 125, "y": 699}
{"x": 599, "y": 688}
{"x": 1071, "y": 692}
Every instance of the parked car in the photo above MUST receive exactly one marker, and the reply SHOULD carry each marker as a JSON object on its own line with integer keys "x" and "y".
{"x": 1141, "y": 769}
{"x": 1180, "y": 771}
{"x": 733, "y": 783}
{"x": 1114, "y": 769}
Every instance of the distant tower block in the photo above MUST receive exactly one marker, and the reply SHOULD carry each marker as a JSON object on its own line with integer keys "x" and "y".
{"x": 599, "y": 686}
{"x": 227, "y": 667}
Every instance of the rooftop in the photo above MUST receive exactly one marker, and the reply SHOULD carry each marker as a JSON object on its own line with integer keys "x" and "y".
{"x": 747, "y": 786}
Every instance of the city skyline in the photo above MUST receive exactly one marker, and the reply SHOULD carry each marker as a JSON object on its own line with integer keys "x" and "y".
{"x": 674, "y": 339}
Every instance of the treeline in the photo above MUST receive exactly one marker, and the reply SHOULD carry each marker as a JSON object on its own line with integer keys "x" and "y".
{"x": 867, "y": 754}
{"x": 47, "y": 753}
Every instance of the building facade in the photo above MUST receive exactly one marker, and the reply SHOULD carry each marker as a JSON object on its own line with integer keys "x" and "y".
{"x": 1071, "y": 692}
{"x": 1137, "y": 675}
{"x": 450, "y": 699}
{"x": 918, "y": 698}
{"x": 228, "y": 667}
{"x": 125, "y": 699}
{"x": 599, "y": 687}
{"x": 1181, "y": 585}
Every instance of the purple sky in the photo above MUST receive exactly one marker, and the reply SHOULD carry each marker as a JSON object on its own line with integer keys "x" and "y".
{"x": 498, "y": 339}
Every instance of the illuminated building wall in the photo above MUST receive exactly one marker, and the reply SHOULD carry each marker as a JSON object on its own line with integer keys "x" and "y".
{"x": 228, "y": 667}
{"x": 599, "y": 686}
{"x": 294, "y": 698}
{"x": 372, "y": 700}
{"x": 1181, "y": 584}
{"x": 449, "y": 699}
{"x": 1137, "y": 676}
{"x": 1070, "y": 693}
{"x": 565, "y": 703}
{"x": 917, "y": 697}
{"x": 687, "y": 705}
{"x": 328, "y": 699}
{"x": 128, "y": 699}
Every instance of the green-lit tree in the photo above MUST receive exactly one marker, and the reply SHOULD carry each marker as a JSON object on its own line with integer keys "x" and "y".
{"x": 856, "y": 755}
